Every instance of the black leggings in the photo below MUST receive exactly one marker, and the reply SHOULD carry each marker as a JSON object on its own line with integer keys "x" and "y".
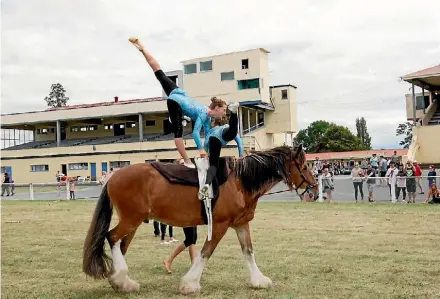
{"x": 215, "y": 147}
{"x": 174, "y": 109}
{"x": 358, "y": 185}
{"x": 190, "y": 235}
{"x": 398, "y": 192}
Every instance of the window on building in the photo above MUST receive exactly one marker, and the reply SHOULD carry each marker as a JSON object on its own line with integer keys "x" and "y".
{"x": 38, "y": 131}
{"x": 226, "y": 76}
{"x": 260, "y": 118}
{"x": 74, "y": 129}
{"x": 284, "y": 94}
{"x": 149, "y": 161}
{"x": 79, "y": 166}
{"x": 108, "y": 127}
{"x": 119, "y": 164}
{"x": 130, "y": 124}
{"x": 245, "y": 64}
{"x": 39, "y": 168}
{"x": 3, "y": 169}
{"x": 83, "y": 129}
{"x": 206, "y": 66}
{"x": 422, "y": 102}
{"x": 44, "y": 131}
{"x": 51, "y": 130}
{"x": 150, "y": 123}
{"x": 93, "y": 127}
{"x": 248, "y": 84}
{"x": 190, "y": 68}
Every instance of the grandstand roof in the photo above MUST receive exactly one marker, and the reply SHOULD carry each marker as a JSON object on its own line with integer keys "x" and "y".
{"x": 355, "y": 154}
{"x": 123, "y": 102}
{"x": 116, "y": 108}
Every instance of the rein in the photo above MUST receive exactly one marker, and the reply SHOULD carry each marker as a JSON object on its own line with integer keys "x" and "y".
{"x": 304, "y": 180}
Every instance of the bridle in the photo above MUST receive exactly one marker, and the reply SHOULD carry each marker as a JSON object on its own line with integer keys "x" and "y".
{"x": 304, "y": 179}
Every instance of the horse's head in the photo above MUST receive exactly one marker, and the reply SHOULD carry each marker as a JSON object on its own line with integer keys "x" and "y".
{"x": 300, "y": 175}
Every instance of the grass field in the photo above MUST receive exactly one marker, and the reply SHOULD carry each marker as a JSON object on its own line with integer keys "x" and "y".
{"x": 308, "y": 250}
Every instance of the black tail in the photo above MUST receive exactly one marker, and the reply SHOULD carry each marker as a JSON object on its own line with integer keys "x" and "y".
{"x": 96, "y": 262}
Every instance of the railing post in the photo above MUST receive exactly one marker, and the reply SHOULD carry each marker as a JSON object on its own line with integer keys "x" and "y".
{"x": 67, "y": 190}
{"x": 31, "y": 191}
{"x": 320, "y": 199}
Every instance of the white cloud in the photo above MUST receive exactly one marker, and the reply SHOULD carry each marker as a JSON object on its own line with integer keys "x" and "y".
{"x": 344, "y": 56}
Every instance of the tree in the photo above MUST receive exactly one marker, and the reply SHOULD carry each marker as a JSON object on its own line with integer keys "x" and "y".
{"x": 362, "y": 133}
{"x": 339, "y": 139}
{"x": 405, "y": 129}
{"x": 57, "y": 97}
{"x": 322, "y": 136}
{"x": 311, "y": 136}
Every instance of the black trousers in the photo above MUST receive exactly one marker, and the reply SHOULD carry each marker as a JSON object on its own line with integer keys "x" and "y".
{"x": 215, "y": 147}
{"x": 174, "y": 109}
{"x": 162, "y": 230}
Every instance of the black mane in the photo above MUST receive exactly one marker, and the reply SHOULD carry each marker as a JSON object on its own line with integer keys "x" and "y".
{"x": 262, "y": 168}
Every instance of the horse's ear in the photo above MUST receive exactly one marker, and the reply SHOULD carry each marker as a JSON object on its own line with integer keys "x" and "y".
{"x": 300, "y": 148}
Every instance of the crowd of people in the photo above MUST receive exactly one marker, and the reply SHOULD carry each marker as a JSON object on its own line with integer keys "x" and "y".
{"x": 401, "y": 179}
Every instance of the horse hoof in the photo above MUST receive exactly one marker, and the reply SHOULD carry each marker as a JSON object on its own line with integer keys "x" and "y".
{"x": 189, "y": 288}
{"x": 122, "y": 283}
{"x": 262, "y": 282}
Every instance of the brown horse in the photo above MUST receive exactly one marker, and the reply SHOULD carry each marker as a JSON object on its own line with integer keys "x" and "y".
{"x": 139, "y": 191}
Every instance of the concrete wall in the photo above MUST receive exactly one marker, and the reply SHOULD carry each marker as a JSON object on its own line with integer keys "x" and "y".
{"x": 284, "y": 118}
{"x": 206, "y": 84}
{"x": 409, "y": 106}
{"x": 428, "y": 149}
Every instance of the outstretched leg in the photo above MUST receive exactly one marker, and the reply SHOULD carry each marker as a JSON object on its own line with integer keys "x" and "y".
{"x": 175, "y": 111}
{"x": 122, "y": 233}
{"x": 191, "y": 281}
{"x": 257, "y": 279}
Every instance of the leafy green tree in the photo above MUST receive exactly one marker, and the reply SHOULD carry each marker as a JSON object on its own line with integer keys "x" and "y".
{"x": 340, "y": 139}
{"x": 405, "y": 130}
{"x": 362, "y": 133}
{"x": 311, "y": 136}
{"x": 322, "y": 136}
{"x": 57, "y": 96}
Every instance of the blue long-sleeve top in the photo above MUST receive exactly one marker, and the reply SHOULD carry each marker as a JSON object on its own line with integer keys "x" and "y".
{"x": 217, "y": 132}
{"x": 194, "y": 110}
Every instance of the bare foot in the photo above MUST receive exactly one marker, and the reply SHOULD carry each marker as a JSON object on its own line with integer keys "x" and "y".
{"x": 136, "y": 43}
{"x": 167, "y": 266}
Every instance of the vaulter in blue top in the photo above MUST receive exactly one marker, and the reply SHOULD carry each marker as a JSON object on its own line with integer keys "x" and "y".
{"x": 215, "y": 139}
{"x": 179, "y": 104}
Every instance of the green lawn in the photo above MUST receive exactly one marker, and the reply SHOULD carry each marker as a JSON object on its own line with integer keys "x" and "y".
{"x": 308, "y": 250}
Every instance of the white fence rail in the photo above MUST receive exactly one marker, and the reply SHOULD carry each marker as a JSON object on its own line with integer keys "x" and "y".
{"x": 51, "y": 191}
{"x": 343, "y": 191}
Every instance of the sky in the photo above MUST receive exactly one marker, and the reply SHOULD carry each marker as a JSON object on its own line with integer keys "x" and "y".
{"x": 344, "y": 56}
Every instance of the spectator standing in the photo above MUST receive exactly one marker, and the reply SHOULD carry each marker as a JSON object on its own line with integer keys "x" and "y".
{"x": 395, "y": 159}
{"x": 411, "y": 182}
{"x": 371, "y": 182}
{"x": 72, "y": 189}
{"x": 383, "y": 170}
{"x": 357, "y": 175}
{"x": 374, "y": 161}
{"x": 5, "y": 184}
{"x": 392, "y": 176}
{"x": 401, "y": 183}
{"x": 418, "y": 174}
{"x": 432, "y": 176}
{"x": 327, "y": 183}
